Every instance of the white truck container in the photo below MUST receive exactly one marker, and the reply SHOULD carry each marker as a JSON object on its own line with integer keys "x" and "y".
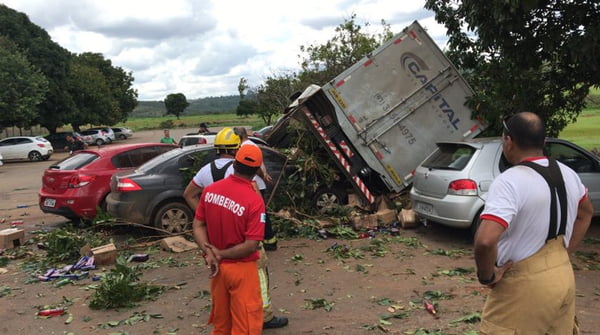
{"x": 381, "y": 117}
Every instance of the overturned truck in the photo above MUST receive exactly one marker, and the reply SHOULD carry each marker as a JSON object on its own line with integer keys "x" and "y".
{"x": 382, "y": 116}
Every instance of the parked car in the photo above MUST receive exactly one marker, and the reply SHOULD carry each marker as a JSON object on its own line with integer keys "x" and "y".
{"x": 1, "y": 163}
{"x": 262, "y": 132}
{"x": 95, "y": 136}
{"x": 34, "y": 148}
{"x": 153, "y": 194}
{"x": 110, "y": 134}
{"x": 122, "y": 132}
{"x": 59, "y": 139}
{"x": 195, "y": 139}
{"x": 450, "y": 186}
{"x": 77, "y": 185}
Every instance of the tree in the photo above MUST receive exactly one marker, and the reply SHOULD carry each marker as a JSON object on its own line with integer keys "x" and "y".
{"x": 176, "y": 103}
{"x": 91, "y": 95}
{"x": 23, "y": 87}
{"x": 534, "y": 55}
{"x": 349, "y": 44}
{"x": 102, "y": 92}
{"x": 53, "y": 61}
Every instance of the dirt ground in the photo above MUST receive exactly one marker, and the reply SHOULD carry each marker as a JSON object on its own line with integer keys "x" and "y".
{"x": 379, "y": 291}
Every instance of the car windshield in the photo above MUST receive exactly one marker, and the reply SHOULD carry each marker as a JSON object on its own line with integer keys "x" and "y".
{"x": 450, "y": 156}
{"x": 77, "y": 161}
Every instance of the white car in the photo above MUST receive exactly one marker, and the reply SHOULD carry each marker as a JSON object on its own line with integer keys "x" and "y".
{"x": 1, "y": 160}
{"x": 195, "y": 139}
{"x": 122, "y": 132}
{"x": 34, "y": 148}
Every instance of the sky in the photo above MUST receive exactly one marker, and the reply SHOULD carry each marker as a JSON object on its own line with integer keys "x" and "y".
{"x": 203, "y": 48}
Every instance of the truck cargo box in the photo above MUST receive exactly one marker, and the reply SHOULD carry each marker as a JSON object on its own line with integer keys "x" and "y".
{"x": 382, "y": 116}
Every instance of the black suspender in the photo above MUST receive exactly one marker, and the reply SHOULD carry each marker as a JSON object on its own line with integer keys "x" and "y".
{"x": 555, "y": 181}
{"x": 217, "y": 173}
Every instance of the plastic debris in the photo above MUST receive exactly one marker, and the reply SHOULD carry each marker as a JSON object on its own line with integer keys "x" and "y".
{"x": 138, "y": 258}
{"x": 429, "y": 307}
{"x": 51, "y": 312}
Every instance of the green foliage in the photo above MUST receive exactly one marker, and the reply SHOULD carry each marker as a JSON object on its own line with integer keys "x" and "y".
{"x": 132, "y": 320}
{"x": 62, "y": 244}
{"x": 524, "y": 55}
{"x": 121, "y": 288}
{"x": 350, "y": 43}
{"x": 341, "y": 251}
{"x": 469, "y": 318}
{"x": 167, "y": 124}
{"x": 318, "y": 303}
{"x": 23, "y": 86}
{"x": 176, "y": 103}
{"x": 47, "y": 56}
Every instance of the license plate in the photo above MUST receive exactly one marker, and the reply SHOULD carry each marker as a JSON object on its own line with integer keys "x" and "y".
{"x": 424, "y": 208}
{"x": 49, "y": 202}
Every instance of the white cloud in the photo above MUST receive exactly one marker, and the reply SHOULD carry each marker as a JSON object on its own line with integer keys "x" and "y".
{"x": 203, "y": 48}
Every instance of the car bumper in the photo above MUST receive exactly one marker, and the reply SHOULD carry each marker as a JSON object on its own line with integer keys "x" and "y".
{"x": 130, "y": 211}
{"x": 451, "y": 210}
{"x": 69, "y": 207}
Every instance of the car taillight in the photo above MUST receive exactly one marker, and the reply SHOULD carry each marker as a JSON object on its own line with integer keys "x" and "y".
{"x": 463, "y": 187}
{"x": 127, "y": 185}
{"x": 40, "y": 145}
{"x": 80, "y": 180}
{"x": 202, "y": 141}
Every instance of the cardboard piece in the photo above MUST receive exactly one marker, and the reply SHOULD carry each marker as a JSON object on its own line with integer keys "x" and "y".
{"x": 103, "y": 255}
{"x": 408, "y": 218}
{"x": 177, "y": 244}
{"x": 363, "y": 222}
{"x": 11, "y": 238}
{"x": 386, "y": 216}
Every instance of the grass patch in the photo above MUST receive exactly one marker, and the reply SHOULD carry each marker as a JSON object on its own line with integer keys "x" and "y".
{"x": 192, "y": 121}
{"x": 584, "y": 132}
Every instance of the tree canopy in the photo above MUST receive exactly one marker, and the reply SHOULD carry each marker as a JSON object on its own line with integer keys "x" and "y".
{"x": 535, "y": 55}
{"x": 76, "y": 89}
{"x": 24, "y": 86}
{"x": 176, "y": 103}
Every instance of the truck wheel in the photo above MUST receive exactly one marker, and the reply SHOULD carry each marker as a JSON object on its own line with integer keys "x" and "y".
{"x": 174, "y": 217}
{"x": 327, "y": 197}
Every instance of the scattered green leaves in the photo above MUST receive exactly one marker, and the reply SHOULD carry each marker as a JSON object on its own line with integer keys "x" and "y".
{"x": 340, "y": 251}
{"x": 411, "y": 242}
{"x": 458, "y": 271}
{"x": 4, "y": 291}
{"x": 591, "y": 259}
{"x": 121, "y": 288}
{"x": 452, "y": 253}
{"x": 132, "y": 320}
{"x": 318, "y": 303}
{"x": 469, "y": 318}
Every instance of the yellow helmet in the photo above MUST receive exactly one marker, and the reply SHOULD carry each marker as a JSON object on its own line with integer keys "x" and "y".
{"x": 227, "y": 139}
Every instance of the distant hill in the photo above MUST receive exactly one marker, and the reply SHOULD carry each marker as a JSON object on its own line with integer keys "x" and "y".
{"x": 210, "y": 105}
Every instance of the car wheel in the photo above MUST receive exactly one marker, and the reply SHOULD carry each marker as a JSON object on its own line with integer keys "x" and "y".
{"x": 99, "y": 142}
{"x": 328, "y": 197}
{"x": 174, "y": 217}
{"x": 35, "y": 156}
{"x": 123, "y": 137}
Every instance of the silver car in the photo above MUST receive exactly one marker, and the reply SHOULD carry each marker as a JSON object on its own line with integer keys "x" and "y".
{"x": 450, "y": 186}
{"x": 95, "y": 136}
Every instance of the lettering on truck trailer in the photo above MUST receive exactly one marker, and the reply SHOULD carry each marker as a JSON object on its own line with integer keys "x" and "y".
{"x": 415, "y": 65}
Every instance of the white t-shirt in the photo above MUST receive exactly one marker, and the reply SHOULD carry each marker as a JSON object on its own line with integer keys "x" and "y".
{"x": 204, "y": 176}
{"x": 519, "y": 199}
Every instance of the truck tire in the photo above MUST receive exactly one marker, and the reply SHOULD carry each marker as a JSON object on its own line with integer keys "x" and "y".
{"x": 327, "y": 197}
{"x": 174, "y": 217}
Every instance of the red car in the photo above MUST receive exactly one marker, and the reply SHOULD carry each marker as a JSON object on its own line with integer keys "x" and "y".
{"x": 76, "y": 186}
